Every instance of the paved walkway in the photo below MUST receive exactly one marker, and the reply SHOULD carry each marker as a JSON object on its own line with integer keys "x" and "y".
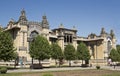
{"x": 62, "y": 69}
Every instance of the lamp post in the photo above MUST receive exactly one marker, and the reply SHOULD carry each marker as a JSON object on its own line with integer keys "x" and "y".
{"x": 30, "y": 39}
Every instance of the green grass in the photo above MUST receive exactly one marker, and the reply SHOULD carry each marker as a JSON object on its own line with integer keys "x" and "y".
{"x": 113, "y": 74}
{"x": 11, "y": 74}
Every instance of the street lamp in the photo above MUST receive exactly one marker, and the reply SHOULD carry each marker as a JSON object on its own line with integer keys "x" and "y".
{"x": 30, "y": 39}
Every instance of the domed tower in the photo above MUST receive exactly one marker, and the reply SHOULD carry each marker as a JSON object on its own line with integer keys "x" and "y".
{"x": 23, "y": 16}
{"x": 112, "y": 34}
{"x": 45, "y": 27}
{"x": 11, "y": 23}
{"x": 45, "y": 23}
{"x": 103, "y": 33}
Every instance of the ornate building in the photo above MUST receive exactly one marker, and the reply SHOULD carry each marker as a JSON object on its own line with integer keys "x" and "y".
{"x": 23, "y": 31}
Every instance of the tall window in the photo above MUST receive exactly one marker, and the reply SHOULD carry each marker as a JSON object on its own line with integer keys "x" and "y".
{"x": 68, "y": 38}
{"x": 109, "y": 46}
{"x": 23, "y": 38}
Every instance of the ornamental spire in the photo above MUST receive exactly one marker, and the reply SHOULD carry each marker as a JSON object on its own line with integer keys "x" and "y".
{"x": 23, "y": 16}
{"x": 45, "y": 23}
{"x": 112, "y": 33}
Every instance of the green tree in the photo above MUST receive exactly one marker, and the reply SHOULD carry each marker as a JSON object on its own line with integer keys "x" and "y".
{"x": 82, "y": 52}
{"x": 69, "y": 53}
{"x": 56, "y": 52}
{"x": 118, "y": 48}
{"x": 7, "y": 50}
{"x": 1, "y": 29}
{"x": 114, "y": 55}
{"x": 40, "y": 48}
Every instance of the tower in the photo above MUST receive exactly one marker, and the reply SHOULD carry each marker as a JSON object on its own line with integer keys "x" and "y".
{"x": 45, "y": 23}
{"x": 102, "y": 32}
{"x": 113, "y": 39}
{"x": 23, "y": 16}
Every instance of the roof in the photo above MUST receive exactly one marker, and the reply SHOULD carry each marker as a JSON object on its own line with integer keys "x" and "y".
{"x": 53, "y": 36}
{"x": 14, "y": 27}
{"x": 95, "y": 39}
{"x": 65, "y": 29}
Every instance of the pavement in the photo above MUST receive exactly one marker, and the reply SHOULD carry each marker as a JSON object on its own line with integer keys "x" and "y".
{"x": 63, "y": 69}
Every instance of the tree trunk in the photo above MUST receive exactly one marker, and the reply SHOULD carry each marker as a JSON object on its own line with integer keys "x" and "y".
{"x": 82, "y": 62}
{"x": 55, "y": 63}
{"x": 69, "y": 63}
{"x": 32, "y": 61}
{"x": 59, "y": 63}
{"x": 39, "y": 62}
{"x": 15, "y": 64}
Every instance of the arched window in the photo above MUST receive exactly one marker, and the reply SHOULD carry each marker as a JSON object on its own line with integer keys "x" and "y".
{"x": 109, "y": 44}
{"x": 33, "y": 34}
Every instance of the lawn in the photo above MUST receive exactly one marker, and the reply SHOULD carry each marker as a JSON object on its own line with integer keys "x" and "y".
{"x": 69, "y": 73}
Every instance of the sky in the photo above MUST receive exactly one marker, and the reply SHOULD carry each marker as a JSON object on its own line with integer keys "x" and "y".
{"x": 88, "y": 16}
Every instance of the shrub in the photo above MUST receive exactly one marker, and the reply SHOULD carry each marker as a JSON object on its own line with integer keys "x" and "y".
{"x": 47, "y": 74}
{"x": 97, "y": 67}
{"x": 3, "y": 70}
{"x": 36, "y": 66}
{"x": 84, "y": 65}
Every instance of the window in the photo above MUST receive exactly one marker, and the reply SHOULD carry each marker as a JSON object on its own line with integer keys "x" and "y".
{"x": 68, "y": 38}
{"x": 33, "y": 34}
{"x": 108, "y": 46}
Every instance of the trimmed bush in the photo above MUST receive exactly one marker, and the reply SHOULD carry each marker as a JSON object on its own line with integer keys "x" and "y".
{"x": 84, "y": 65}
{"x": 47, "y": 74}
{"x": 3, "y": 70}
{"x": 97, "y": 67}
{"x": 36, "y": 66}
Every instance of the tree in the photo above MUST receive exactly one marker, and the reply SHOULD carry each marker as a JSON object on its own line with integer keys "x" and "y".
{"x": 114, "y": 55}
{"x": 7, "y": 50}
{"x": 82, "y": 52}
{"x": 56, "y": 52}
{"x": 40, "y": 48}
{"x": 1, "y": 29}
{"x": 69, "y": 53}
{"x": 118, "y": 48}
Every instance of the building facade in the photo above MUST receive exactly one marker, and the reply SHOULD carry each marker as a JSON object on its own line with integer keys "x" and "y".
{"x": 23, "y": 32}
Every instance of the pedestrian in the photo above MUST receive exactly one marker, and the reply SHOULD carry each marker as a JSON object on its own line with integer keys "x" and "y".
{"x": 114, "y": 64}
{"x": 109, "y": 61}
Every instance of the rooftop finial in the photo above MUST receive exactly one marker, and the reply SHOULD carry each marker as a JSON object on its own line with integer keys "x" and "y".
{"x": 112, "y": 33}
{"x": 102, "y": 31}
{"x": 61, "y": 26}
{"x": 11, "y": 20}
{"x": 74, "y": 28}
{"x": 23, "y": 12}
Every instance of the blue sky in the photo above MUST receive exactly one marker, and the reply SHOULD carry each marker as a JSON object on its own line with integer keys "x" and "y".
{"x": 89, "y": 16}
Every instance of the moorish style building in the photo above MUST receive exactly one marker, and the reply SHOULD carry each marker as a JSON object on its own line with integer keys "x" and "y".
{"x": 23, "y": 31}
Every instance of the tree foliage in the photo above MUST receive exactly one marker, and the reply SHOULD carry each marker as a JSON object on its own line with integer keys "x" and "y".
{"x": 1, "y": 29}
{"x": 118, "y": 48}
{"x": 40, "y": 48}
{"x": 82, "y": 52}
{"x": 7, "y": 50}
{"x": 114, "y": 55}
{"x": 69, "y": 53}
{"x": 56, "y": 52}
